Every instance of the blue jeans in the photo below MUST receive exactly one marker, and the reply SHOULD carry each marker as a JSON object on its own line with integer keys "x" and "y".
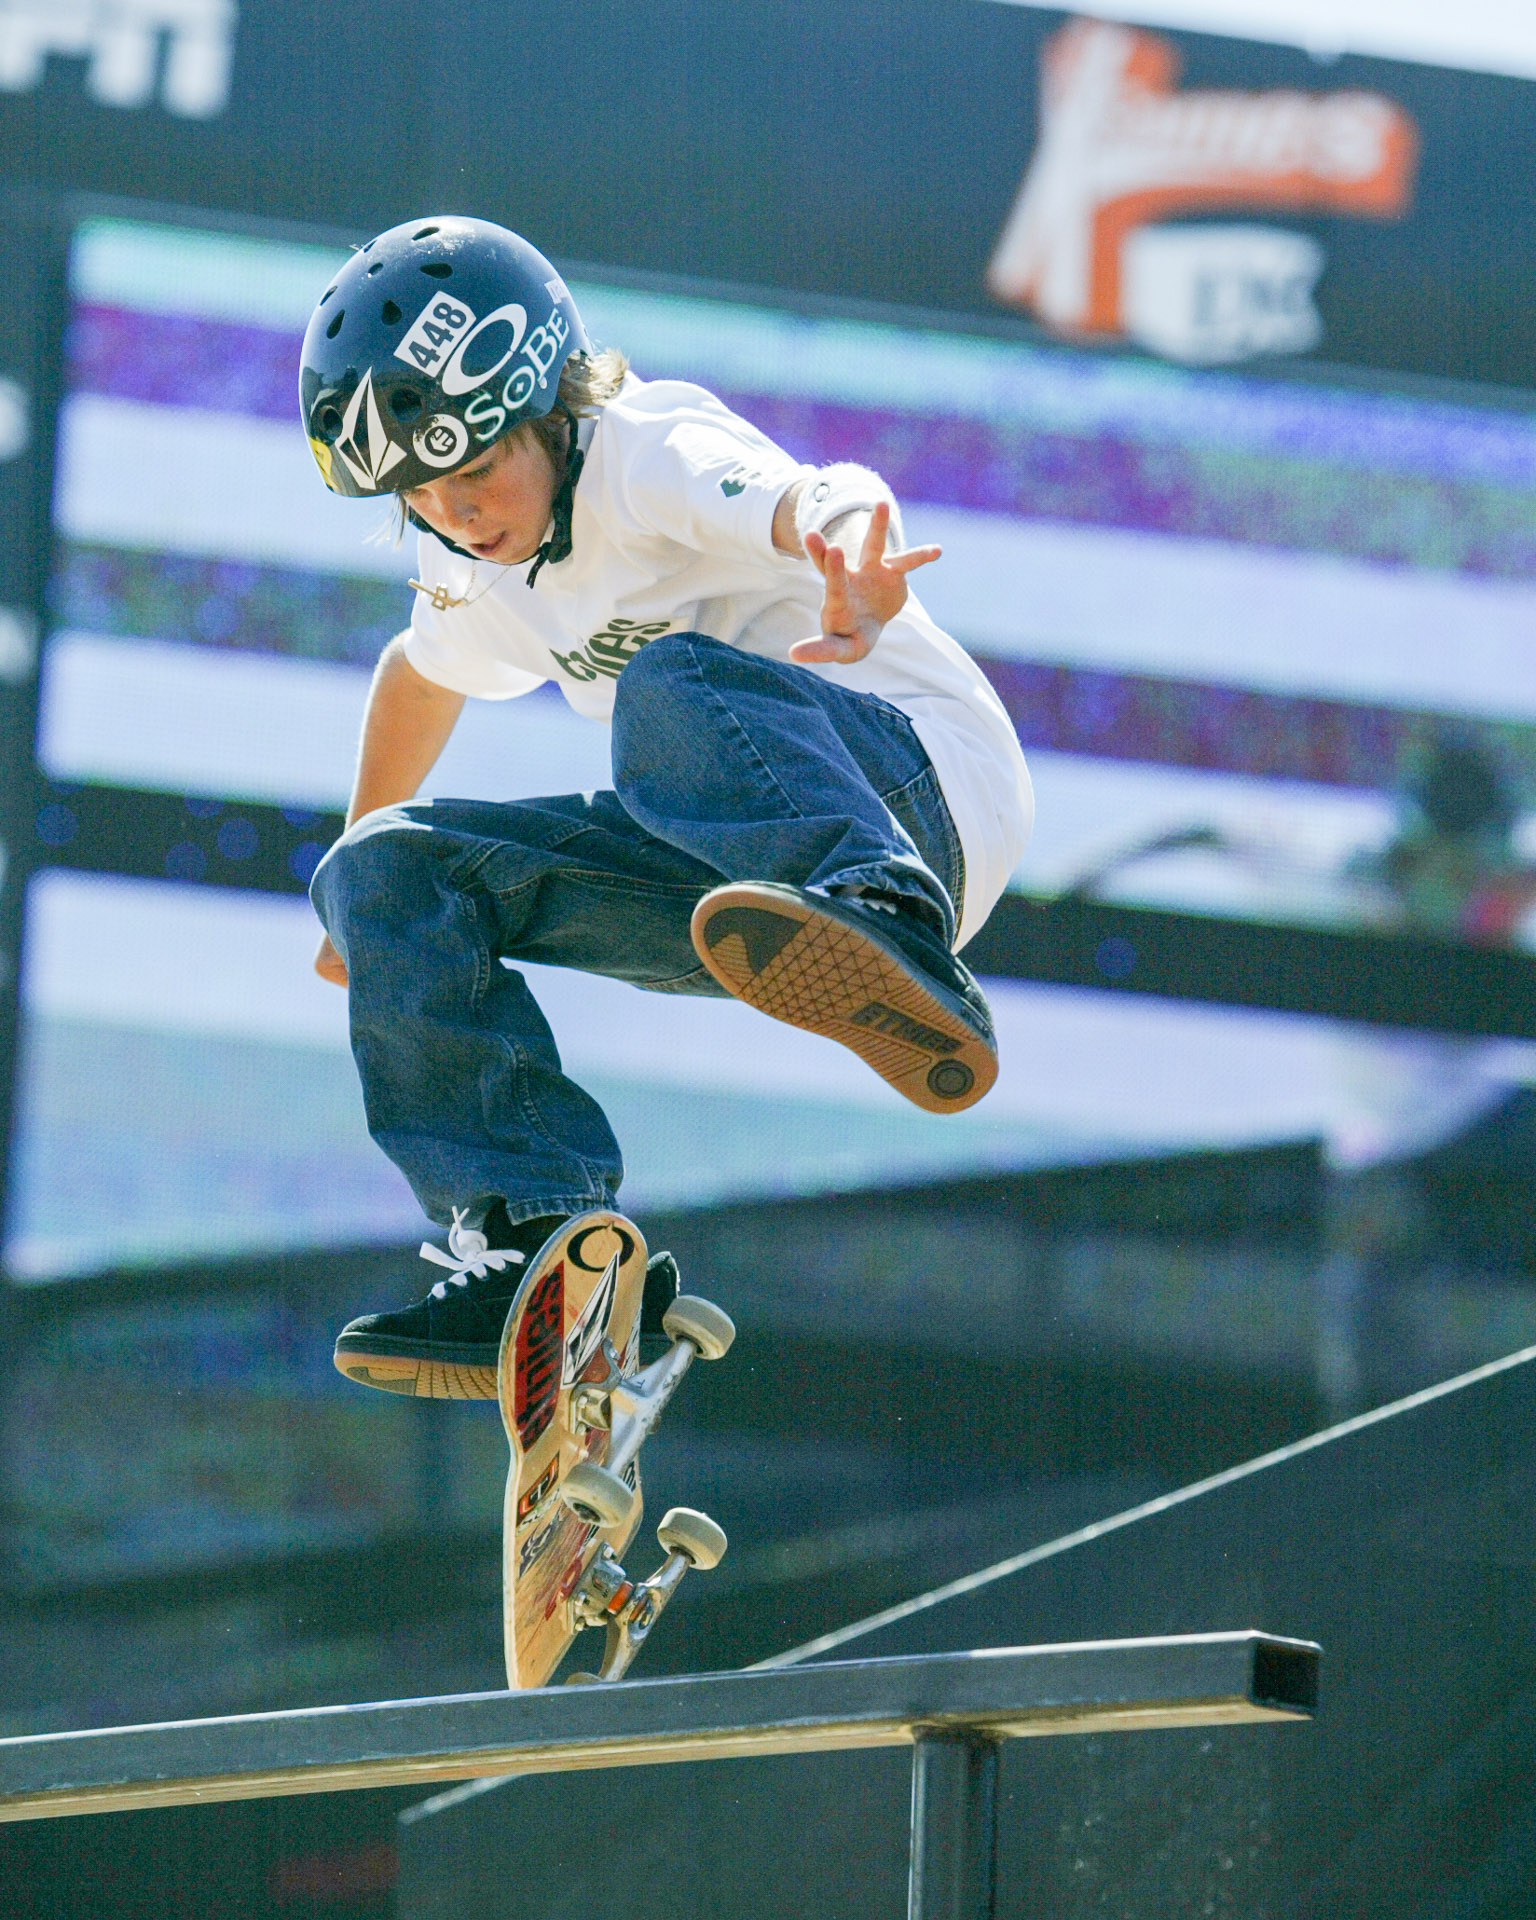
{"x": 726, "y": 766}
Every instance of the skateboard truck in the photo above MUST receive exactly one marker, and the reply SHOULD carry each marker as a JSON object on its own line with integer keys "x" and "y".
{"x": 628, "y": 1609}
{"x": 628, "y": 1406}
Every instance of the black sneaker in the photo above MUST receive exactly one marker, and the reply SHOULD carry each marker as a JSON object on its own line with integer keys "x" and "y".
{"x": 445, "y": 1347}
{"x": 867, "y": 972}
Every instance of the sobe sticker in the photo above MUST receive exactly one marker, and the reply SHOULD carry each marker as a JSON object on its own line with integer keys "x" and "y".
{"x": 487, "y": 413}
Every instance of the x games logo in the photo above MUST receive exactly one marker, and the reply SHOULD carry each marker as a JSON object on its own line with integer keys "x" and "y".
{"x": 1120, "y": 147}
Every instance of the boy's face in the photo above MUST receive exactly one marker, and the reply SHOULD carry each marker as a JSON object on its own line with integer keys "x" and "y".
{"x": 498, "y": 506}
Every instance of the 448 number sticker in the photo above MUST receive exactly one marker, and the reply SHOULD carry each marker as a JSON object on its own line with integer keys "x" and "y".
{"x": 438, "y": 329}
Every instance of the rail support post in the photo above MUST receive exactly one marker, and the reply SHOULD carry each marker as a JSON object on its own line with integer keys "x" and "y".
{"x": 954, "y": 1826}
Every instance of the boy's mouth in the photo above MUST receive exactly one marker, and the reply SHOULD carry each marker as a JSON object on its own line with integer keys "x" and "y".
{"x": 486, "y": 549}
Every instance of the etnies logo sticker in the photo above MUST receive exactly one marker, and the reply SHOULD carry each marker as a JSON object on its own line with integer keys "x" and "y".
{"x": 440, "y": 441}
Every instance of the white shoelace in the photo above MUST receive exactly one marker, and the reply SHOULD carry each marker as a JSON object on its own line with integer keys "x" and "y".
{"x": 469, "y": 1252}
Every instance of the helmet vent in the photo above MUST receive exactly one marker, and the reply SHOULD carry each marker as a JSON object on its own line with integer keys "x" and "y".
{"x": 377, "y": 267}
{"x": 335, "y": 327}
{"x": 391, "y": 314}
{"x": 425, "y": 233}
{"x": 328, "y": 425}
{"x": 327, "y": 294}
{"x": 437, "y": 269}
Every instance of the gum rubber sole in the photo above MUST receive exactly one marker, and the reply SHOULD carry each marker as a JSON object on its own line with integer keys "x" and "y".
{"x": 785, "y": 956}
{"x": 423, "y": 1376}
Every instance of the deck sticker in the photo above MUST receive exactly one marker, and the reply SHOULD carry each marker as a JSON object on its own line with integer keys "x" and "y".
{"x": 586, "y": 1336}
{"x": 575, "y": 1568}
{"x": 537, "y": 1543}
{"x": 534, "y": 1497}
{"x": 536, "y": 1381}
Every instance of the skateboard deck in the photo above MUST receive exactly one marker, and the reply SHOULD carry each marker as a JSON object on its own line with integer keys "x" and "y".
{"x": 576, "y": 1312}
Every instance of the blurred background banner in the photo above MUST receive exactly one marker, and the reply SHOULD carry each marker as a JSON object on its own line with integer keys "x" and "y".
{"x": 1210, "y": 194}
{"x": 1210, "y": 361}
{"x": 1268, "y": 644}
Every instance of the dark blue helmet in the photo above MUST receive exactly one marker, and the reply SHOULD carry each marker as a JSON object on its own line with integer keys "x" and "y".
{"x": 432, "y": 341}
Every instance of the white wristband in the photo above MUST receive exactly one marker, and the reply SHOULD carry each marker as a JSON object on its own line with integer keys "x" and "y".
{"x": 844, "y": 488}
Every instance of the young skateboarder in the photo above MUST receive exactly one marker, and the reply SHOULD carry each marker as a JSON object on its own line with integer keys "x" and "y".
{"x": 816, "y": 795}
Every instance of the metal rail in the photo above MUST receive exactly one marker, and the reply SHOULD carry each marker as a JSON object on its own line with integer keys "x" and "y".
{"x": 1091, "y": 1687}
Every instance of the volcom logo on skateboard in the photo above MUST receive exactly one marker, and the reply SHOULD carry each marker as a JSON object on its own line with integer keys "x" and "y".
{"x": 900, "y": 1026}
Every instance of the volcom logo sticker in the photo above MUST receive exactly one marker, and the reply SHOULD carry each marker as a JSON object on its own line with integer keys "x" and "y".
{"x": 364, "y": 446}
{"x": 441, "y": 440}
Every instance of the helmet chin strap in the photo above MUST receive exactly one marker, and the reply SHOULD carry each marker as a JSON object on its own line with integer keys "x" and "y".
{"x": 558, "y": 546}
{"x": 421, "y": 527}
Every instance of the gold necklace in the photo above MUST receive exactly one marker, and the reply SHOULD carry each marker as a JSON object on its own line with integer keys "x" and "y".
{"x": 442, "y": 599}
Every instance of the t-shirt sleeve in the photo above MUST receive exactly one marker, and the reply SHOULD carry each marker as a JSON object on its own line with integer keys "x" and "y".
{"x": 711, "y": 482}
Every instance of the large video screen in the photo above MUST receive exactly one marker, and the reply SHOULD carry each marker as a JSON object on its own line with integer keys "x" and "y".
{"x": 1269, "y": 646}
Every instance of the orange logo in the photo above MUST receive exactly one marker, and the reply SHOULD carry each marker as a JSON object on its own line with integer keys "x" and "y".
{"x": 1119, "y": 147}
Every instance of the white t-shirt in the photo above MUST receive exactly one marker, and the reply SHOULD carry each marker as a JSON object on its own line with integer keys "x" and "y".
{"x": 672, "y": 533}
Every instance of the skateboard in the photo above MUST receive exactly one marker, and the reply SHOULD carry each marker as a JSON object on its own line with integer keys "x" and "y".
{"x": 577, "y": 1408}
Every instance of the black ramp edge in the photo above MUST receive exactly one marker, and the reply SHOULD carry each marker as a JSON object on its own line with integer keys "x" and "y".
{"x": 1285, "y": 1675}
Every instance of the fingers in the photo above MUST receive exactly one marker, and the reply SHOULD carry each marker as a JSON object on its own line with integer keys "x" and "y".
{"x": 873, "y": 553}
{"x": 837, "y": 605}
{"x": 913, "y": 557}
{"x": 874, "y": 535}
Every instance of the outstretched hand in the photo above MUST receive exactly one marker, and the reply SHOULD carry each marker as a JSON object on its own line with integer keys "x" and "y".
{"x": 858, "y": 600}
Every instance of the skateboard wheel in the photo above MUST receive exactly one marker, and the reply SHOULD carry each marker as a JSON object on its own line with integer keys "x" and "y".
{"x": 692, "y": 1534}
{"x": 594, "y": 1494}
{"x": 708, "y": 1327}
{"x": 582, "y": 1679}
